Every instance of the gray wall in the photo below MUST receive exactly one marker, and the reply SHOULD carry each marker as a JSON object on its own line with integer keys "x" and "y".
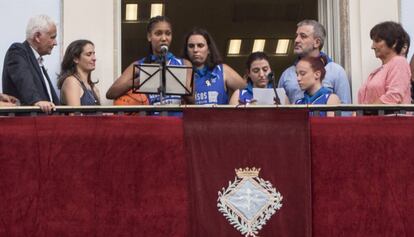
{"x": 407, "y": 20}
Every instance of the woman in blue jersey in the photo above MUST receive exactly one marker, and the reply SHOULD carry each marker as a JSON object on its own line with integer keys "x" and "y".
{"x": 310, "y": 72}
{"x": 257, "y": 72}
{"x": 214, "y": 81}
{"x": 159, "y": 34}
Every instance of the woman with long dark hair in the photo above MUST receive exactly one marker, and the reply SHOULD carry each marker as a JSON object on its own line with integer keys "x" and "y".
{"x": 214, "y": 81}
{"x": 74, "y": 81}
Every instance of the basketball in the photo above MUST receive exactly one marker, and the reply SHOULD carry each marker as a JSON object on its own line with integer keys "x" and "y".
{"x": 131, "y": 98}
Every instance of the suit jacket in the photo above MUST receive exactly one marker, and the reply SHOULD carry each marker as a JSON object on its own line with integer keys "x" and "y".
{"x": 22, "y": 76}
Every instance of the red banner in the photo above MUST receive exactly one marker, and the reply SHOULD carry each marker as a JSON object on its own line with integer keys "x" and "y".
{"x": 138, "y": 176}
{"x": 92, "y": 176}
{"x": 277, "y": 141}
{"x": 363, "y": 173}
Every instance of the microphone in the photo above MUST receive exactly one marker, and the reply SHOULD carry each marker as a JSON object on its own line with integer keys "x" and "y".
{"x": 164, "y": 49}
{"x": 271, "y": 77}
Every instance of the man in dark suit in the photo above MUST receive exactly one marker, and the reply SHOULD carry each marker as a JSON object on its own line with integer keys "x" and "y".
{"x": 24, "y": 75}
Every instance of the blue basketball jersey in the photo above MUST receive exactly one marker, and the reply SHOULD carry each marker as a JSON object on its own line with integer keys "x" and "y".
{"x": 320, "y": 97}
{"x": 209, "y": 86}
{"x": 246, "y": 95}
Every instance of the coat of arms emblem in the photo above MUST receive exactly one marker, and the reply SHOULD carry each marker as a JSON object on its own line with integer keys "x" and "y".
{"x": 249, "y": 201}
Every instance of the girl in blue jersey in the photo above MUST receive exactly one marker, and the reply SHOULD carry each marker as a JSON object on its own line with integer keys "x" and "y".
{"x": 159, "y": 33}
{"x": 310, "y": 72}
{"x": 257, "y": 72}
{"x": 213, "y": 80}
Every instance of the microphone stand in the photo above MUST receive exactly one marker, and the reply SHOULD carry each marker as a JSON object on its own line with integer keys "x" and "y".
{"x": 162, "y": 89}
{"x": 277, "y": 99}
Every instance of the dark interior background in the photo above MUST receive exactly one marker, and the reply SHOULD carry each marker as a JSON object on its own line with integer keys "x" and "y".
{"x": 225, "y": 20}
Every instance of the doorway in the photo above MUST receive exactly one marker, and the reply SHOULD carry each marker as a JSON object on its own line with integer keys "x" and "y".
{"x": 268, "y": 21}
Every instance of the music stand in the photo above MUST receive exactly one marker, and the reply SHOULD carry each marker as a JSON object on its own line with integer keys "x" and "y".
{"x": 154, "y": 80}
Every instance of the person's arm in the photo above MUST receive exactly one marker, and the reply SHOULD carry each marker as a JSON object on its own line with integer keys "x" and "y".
{"x": 45, "y": 106}
{"x": 332, "y": 100}
{"x": 398, "y": 82}
{"x": 234, "y": 99}
{"x": 189, "y": 73}
{"x": 190, "y": 98}
{"x": 123, "y": 84}
{"x": 412, "y": 68}
{"x": 8, "y": 99}
{"x": 20, "y": 72}
{"x": 232, "y": 80}
{"x": 71, "y": 91}
{"x": 378, "y": 101}
{"x": 342, "y": 88}
{"x": 6, "y": 104}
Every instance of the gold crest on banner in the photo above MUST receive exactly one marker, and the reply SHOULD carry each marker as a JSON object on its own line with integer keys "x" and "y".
{"x": 249, "y": 201}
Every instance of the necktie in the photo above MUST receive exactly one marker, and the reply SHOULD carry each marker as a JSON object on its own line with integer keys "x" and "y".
{"x": 49, "y": 83}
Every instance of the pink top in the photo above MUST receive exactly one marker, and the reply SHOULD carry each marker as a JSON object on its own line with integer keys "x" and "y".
{"x": 390, "y": 84}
